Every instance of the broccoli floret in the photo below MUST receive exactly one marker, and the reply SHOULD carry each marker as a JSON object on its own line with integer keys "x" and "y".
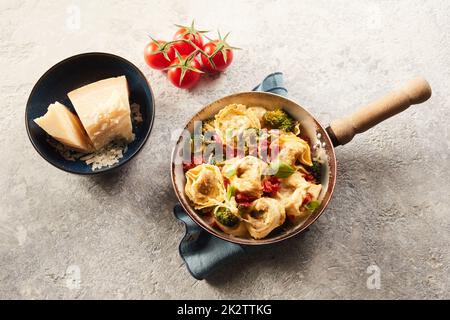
{"x": 278, "y": 119}
{"x": 225, "y": 217}
{"x": 316, "y": 170}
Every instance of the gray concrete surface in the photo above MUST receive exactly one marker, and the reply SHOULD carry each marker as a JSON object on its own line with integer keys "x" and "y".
{"x": 65, "y": 236}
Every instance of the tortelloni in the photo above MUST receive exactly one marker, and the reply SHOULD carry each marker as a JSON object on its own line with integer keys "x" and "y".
{"x": 233, "y": 119}
{"x": 293, "y": 149}
{"x": 258, "y": 112}
{"x": 204, "y": 186}
{"x": 266, "y": 215}
{"x": 239, "y": 230}
{"x": 245, "y": 174}
{"x": 293, "y": 193}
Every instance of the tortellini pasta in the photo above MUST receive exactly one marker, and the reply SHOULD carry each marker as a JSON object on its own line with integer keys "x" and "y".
{"x": 240, "y": 230}
{"x": 204, "y": 186}
{"x": 258, "y": 112}
{"x": 267, "y": 214}
{"x": 293, "y": 148}
{"x": 233, "y": 119}
{"x": 293, "y": 192}
{"x": 245, "y": 174}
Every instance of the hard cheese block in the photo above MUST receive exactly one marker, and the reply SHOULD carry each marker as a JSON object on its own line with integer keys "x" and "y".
{"x": 104, "y": 110}
{"x": 65, "y": 127}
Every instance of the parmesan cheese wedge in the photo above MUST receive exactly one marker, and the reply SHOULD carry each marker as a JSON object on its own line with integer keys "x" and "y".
{"x": 104, "y": 110}
{"x": 65, "y": 127}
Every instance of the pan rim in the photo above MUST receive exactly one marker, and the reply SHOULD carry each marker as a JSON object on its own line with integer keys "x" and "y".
{"x": 265, "y": 241}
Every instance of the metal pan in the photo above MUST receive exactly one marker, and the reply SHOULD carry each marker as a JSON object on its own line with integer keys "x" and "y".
{"x": 339, "y": 132}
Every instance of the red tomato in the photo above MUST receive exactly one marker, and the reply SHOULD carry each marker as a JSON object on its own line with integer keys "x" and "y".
{"x": 188, "y": 166}
{"x": 222, "y": 59}
{"x": 188, "y": 33}
{"x": 271, "y": 186}
{"x": 154, "y": 54}
{"x": 191, "y": 74}
{"x": 309, "y": 177}
{"x": 307, "y": 199}
{"x": 195, "y": 161}
{"x": 243, "y": 198}
{"x": 226, "y": 182}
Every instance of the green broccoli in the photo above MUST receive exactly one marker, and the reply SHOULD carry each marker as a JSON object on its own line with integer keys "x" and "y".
{"x": 316, "y": 170}
{"x": 225, "y": 217}
{"x": 278, "y": 119}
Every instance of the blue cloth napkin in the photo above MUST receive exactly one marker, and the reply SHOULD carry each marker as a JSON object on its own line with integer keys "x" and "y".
{"x": 202, "y": 252}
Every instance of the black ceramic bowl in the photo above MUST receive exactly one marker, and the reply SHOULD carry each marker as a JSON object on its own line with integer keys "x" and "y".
{"x": 73, "y": 73}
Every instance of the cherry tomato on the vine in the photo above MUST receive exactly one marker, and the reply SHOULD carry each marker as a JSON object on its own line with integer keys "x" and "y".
{"x": 221, "y": 54}
{"x": 221, "y": 60}
{"x": 186, "y": 57}
{"x": 158, "y": 54}
{"x": 184, "y": 72}
{"x": 188, "y": 33}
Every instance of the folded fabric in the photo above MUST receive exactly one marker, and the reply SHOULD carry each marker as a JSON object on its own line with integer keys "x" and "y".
{"x": 202, "y": 252}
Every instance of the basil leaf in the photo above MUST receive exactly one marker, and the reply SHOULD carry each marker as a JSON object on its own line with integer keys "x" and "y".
{"x": 313, "y": 205}
{"x": 281, "y": 169}
{"x": 231, "y": 190}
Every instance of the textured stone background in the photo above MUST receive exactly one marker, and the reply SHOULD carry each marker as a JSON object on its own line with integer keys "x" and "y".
{"x": 117, "y": 233}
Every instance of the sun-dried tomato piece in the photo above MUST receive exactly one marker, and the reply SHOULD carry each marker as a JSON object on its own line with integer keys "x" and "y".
{"x": 271, "y": 185}
{"x": 307, "y": 199}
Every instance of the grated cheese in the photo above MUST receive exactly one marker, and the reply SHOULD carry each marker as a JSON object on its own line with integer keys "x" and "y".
{"x": 107, "y": 156}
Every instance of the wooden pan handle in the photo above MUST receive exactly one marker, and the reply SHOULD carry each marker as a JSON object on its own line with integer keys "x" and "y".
{"x": 343, "y": 130}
